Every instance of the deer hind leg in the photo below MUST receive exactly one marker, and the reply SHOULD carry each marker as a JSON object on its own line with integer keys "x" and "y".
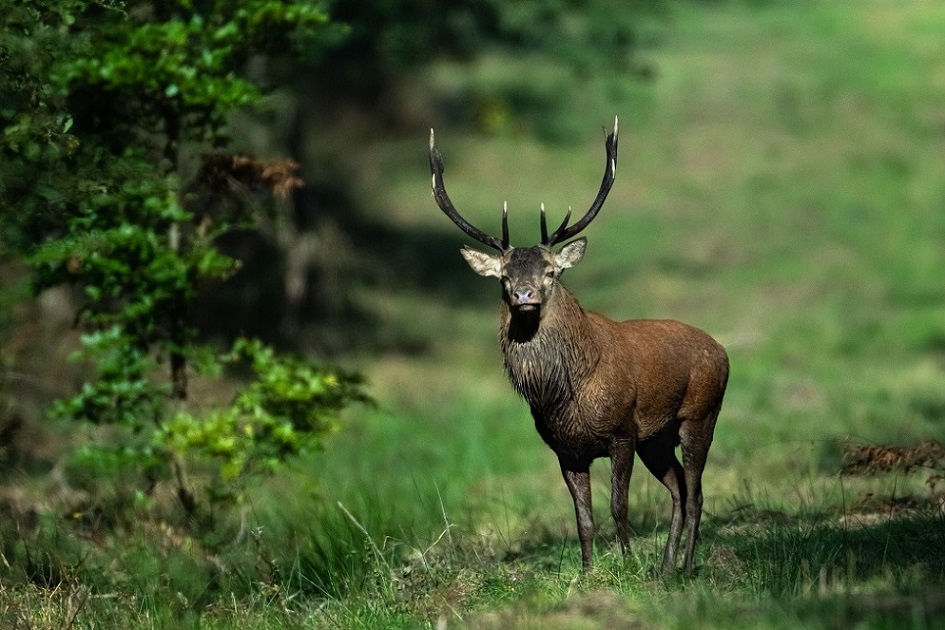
{"x": 579, "y": 483}
{"x": 659, "y": 456}
{"x": 621, "y": 462}
{"x": 695, "y": 438}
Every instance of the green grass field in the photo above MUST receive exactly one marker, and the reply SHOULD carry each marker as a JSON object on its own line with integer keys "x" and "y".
{"x": 780, "y": 185}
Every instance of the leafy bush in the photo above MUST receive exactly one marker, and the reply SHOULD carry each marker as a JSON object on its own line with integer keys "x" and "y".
{"x": 101, "y": 100}
{"x": 285, "y": 411}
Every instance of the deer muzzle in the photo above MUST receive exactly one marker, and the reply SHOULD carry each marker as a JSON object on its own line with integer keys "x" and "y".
{"x": 525, "y": 298}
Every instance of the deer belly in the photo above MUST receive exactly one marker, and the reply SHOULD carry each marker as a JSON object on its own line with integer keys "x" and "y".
{"x": 572, "y": 441}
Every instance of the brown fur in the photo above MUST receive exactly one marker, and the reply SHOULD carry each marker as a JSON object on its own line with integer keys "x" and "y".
{"x": 598, "y": 388}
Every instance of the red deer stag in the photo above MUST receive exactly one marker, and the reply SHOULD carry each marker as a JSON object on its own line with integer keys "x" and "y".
{"x": 598, "y": 388}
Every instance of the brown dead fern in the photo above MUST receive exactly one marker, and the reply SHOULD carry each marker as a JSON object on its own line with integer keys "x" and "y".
{"x": 223, "y": 173}
{"x": 864, "y": 459}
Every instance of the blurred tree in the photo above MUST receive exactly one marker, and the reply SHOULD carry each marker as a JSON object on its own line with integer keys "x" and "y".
{"x": 376, "y": 83}
{"x": 391, "y": 38}
{"x": 103, "y": 101}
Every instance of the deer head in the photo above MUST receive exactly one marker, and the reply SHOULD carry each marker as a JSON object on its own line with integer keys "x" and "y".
{"x": 529, "y": 275}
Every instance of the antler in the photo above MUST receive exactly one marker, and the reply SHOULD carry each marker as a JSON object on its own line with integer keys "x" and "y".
{"x": 443, "y": 201}
{"x": 563, "y": 232}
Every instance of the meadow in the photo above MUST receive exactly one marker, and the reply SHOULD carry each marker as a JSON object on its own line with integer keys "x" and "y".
{"x": 780, "y": 184}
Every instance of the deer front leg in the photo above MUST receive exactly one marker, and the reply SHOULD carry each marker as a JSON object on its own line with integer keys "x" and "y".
{"x": 621, "y": 462}
{"x": 579, "y": 483}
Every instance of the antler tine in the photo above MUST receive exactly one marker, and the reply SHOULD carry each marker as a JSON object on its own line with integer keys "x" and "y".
{"x": 505, "y": 226}
{"x": 443, "y": 201}
{"x": 544, "y": 228}
{"x": 563, "y": 233}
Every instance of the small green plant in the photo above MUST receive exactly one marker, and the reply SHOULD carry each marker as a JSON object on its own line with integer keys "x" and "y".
{"x": 286, "y": 410}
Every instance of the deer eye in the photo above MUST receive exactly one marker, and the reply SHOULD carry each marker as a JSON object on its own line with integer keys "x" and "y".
{"x": 550, "y": 274}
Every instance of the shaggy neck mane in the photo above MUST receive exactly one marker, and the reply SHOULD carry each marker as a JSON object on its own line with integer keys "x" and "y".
{"x": 548, "y": 353}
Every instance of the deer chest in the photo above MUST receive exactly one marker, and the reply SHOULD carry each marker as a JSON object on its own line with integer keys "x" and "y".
{"x": 570, "y": 437}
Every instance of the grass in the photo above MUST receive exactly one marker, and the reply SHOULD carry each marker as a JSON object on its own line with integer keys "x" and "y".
{"x": 780, "y": 186}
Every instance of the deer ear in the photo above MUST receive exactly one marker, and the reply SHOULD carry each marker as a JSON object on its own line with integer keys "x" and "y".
{"x": 482, "y": 263}
{"x": 571, "y": 254}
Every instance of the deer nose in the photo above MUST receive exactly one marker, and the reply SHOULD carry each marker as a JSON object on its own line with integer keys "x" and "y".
{"x": 524, "y": 296}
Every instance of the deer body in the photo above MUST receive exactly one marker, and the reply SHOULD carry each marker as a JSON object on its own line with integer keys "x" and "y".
{"x": 599, "y": 388}
{"x": 585, "y": 390}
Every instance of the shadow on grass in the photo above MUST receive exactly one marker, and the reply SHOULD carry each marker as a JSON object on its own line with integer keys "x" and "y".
{"x": 884, "y": 569}
{"x": 855, "y": 570}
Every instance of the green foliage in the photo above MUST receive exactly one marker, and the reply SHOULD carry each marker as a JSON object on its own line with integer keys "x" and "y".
{"x": 122, "y": 391}
{"x": 180, "y": 62}
{"x": 402, "y": 34}
{"x": 583, "y": 38}
{"x": 284, "y": 411}
{"x": 36, "y": 142}
{"x": 99, "y": 100}
{"x": 137, "y": 278}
